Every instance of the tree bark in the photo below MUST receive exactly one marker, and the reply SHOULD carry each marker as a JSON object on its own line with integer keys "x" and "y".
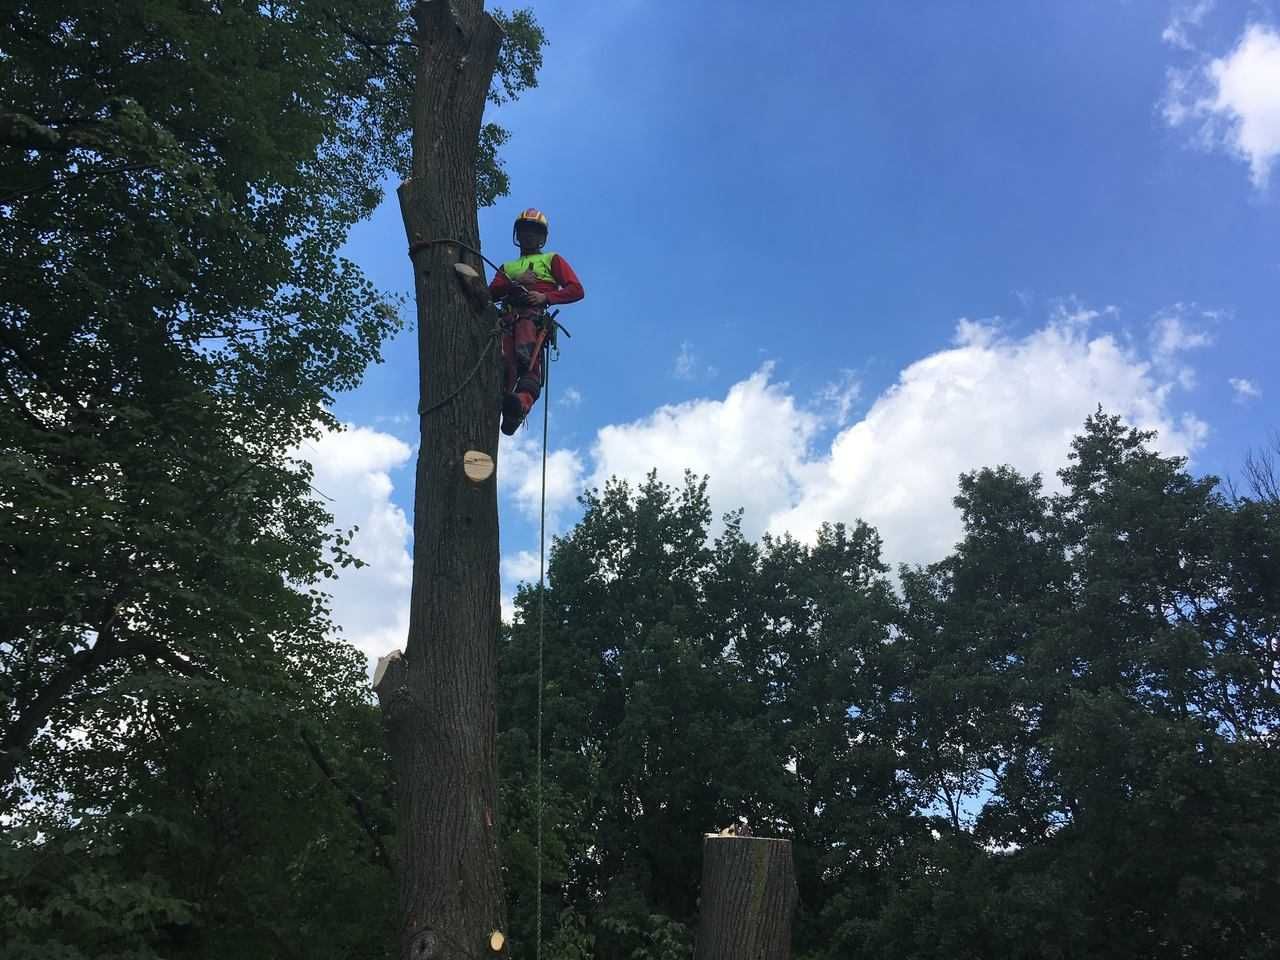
{"x": 748, "y": 897}
{"x": 438, "y": 700}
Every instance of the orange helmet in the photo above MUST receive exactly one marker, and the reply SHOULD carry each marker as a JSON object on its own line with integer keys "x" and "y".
{"x": 533, "y": 217}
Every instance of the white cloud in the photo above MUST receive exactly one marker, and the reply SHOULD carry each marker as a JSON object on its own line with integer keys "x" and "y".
{"x": 990, "y": 399}
{"x": 1245, "y": 390}
{"x": 352, "y": 468}
{"x": 520, "y": 478}
{"x": 520, "y": 475}
{"x": 835, "y": 400}
{"x": 688, "y": 366}
{"x": 521, "y": 566}
{"x": 686, "y": 362}
{"x": 753, "y": 444}
{"x": 570, "y": 397}
{"x": 1171, "y": 336}
{"x": 1185, "y": 16}
{"x": 1236, "y": 99}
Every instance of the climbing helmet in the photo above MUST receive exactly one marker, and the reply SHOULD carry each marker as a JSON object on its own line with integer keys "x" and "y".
{"x": 533, "y": 217}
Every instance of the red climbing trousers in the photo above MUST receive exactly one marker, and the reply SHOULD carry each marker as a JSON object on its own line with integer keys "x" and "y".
{"x": 522, "y": 366}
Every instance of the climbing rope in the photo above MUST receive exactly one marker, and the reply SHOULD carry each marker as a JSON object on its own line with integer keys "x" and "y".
{"x": 542, "y": 542}
{"x": 424, "y": 244}
{"x": 496, "y": 332}
{"x": 484, "y": 352}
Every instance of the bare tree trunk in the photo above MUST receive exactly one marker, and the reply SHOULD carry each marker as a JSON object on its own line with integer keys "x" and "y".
{"x": 748, "y": 897}
{"x": 438, "y": 700}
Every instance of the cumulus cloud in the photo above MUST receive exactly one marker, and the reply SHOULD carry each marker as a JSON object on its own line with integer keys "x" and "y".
{"x": 521, "y": 566}
{"x": 753, "y": 444}
{"x": 1244, "y": 390}
{"x": 516, "y": 568}
{"x": 1234, "y": 100}
{"x": 570, "y": 397}
{"x": 353, "y": 469}
{"x": 989, "y": 399}
{"x": 520, "y": 475}
{"x": 520, "y": 480}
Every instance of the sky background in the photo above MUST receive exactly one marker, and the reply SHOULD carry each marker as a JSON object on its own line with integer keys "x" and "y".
{"x": 837, "y": 253}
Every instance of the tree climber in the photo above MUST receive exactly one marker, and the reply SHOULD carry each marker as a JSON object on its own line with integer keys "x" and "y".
{"x": 526, "y": 286}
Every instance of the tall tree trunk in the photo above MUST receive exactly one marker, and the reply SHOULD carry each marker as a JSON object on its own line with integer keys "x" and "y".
{"x": 438, "y": 700}
{"x": 748, "y": 897}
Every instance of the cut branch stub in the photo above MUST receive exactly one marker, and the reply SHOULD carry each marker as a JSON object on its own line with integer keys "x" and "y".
{"x": 477, "y": 466}
{"x": 474, "y": 286}
{"x": 389, "y": 664}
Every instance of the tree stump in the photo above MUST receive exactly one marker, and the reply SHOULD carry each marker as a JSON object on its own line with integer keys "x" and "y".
{"x": 748, "y": 898}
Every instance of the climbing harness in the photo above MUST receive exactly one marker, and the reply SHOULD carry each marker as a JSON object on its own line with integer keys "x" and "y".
{"x": 549, "y": 326}
{"x": 548, "y": 330}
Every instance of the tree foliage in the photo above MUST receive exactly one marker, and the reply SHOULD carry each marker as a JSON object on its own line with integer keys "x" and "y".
{"x": 188, "y": 759}
{"x": 1058, "y": 741}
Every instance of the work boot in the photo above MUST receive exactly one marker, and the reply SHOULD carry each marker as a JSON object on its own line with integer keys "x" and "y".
{"x": 513, "y": 411}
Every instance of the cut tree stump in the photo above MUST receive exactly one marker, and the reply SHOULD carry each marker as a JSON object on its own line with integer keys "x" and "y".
{"x": 748, "y": 898}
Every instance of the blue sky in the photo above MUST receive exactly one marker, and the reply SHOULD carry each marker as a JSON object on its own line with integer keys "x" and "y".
{"x": 836, "y": 253}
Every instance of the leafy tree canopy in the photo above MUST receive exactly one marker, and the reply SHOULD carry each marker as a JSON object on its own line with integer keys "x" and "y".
{"x": 184, "y": 749}
{"x": 1058, "y": 741}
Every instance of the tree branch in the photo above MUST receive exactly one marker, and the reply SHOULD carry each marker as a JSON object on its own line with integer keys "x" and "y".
{"x": 33, "y": 368}
{"x": 353, "y": 798}
{"x": 82, "y": 175}
{"x": 18, "y": 737}
{"x": 158, "y": 651}
{"x": 27, "y": 133}
{"x": 366, "y": 41}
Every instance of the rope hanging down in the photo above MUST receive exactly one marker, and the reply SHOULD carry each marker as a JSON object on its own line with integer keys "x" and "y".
{"x": 542, "y": 542}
